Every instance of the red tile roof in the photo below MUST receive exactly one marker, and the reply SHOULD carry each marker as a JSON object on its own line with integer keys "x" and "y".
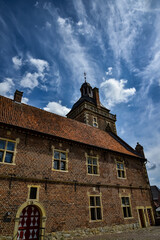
{"x": 29, "y": 117}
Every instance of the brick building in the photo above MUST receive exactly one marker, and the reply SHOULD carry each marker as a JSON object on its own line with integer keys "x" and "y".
{"x": 62, "y": 174}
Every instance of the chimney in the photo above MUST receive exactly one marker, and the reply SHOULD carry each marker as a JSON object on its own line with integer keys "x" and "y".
{"x": 18, "y": 96}
{"x": 139, "y": 150}
{"x": 96, "y": 96}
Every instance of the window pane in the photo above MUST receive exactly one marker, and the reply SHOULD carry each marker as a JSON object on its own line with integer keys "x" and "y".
{"x": 56, "y": 164}
{"x": 95, "y": 119}
{"x": 119, "y": 173}
{"x": 98, "y": 201}
{"x": 2, "y": 144}
{"x": 121, "y": 166}
{"x": 93, "y": 215}
{"x": 99, "y": 216}
{"x": 8, "y": 157}
{"x": 129, "y": 211}
{"x": 123, "y": 175}
{"x": 33, "y": 193}
{"x": 1, "y": 156}
{"x": 118, "y": 165}
{"x": 124, "y": 212}
{"x": 94, "y": 169}
{"x": 127, "y": 200}
{"x": 89, "y": 160}
{"x": 89, "y": 169}
{"x": 94, "y": 124}
{"x": 92, "y": 201}
{"x": 63, "y": 156}
{"x": 63, "y": 165}
{"x": 56, "y": 155}
{"x": 10, "y": 146}
{"x": 94, "y": 161}
{"x": 123, "y": 200}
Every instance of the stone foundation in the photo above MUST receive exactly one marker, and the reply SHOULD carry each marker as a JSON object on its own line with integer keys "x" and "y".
{"x": 79, "y": 233}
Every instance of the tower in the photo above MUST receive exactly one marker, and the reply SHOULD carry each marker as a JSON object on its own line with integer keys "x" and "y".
{"x": 88, "y": 109}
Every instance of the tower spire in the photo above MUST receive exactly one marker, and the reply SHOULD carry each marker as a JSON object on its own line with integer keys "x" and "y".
{"x": 85, "y": 74}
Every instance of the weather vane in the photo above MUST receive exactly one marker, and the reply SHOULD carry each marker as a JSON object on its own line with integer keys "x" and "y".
{"x": 85, "y": 76}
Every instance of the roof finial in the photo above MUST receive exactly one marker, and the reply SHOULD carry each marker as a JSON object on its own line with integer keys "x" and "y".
{"x": 85, "y": 76}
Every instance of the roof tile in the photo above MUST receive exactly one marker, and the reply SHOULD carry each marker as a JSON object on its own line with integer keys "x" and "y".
{"x": 32, "y": 118}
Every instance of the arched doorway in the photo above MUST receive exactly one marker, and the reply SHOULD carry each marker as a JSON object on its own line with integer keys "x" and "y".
{"x": 19, "y": 220}
{"x": 29, "y": 223}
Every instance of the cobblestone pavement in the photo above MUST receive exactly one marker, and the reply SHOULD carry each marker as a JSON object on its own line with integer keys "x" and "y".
{"x": 151, "y": 233}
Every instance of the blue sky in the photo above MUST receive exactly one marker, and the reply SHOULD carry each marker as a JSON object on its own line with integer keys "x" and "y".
{"x": 45, "y": 47}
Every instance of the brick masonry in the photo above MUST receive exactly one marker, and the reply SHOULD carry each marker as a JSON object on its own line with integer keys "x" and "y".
{"x": 66, "y": 203}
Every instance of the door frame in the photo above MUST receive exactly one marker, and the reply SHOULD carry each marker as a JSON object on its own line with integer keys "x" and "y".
{"x": 42, "y": 216}
{"x": 152, "y": 216}
{"x": 144, "y": 216}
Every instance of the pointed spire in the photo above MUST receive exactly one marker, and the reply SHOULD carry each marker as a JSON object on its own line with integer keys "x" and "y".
{"x": 85, "y": 74}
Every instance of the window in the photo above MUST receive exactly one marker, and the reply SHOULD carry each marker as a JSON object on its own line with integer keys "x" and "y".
{"x": 60, "y": 160}
{"x": 95, "y": 123}
{"x": 7, "y": 150}
{"x": 126, "y": 207}
{"x": 33, "y": 192}
{"x": 95, "y": 208}
{"x": 92, "y": 164}
{"x": 120, "y": 170}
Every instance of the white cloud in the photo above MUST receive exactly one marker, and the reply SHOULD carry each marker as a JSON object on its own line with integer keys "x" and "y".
{"x": 40, "y": 64}
{"x": 17, "y": 62}
{"x": 57, "y": 108}
{"x": 25, "y": 100}
{"x": 61, "y": 21}
{"x": 30, "y": 80}
{"x": 79, "y": 23}
{"x": 109, "y": 71}
{"x": 115, "y": 91}
{"x": 75, "y": 54}
{"x": 48, "y": 25}
{"x": 6, "y": 87}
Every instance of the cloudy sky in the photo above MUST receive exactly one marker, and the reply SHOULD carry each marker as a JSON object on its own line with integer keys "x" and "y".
{"x": 45, "y": 47}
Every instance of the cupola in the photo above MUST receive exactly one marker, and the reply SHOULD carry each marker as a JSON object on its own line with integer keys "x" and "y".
{"x": 86, "y": 89}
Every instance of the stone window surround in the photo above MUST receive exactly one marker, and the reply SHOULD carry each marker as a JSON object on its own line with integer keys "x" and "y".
{"x": 63, "y": 151}
{"x": 91, "y": 156}
{"x": 14, "y": 151}
{"x": 95, "y": 206}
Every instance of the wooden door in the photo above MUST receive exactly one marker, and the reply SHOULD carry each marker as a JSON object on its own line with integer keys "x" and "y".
{"x": 150, "y": 216}
{"x": 29, "y": 224}
{"x": 141, "y": 216}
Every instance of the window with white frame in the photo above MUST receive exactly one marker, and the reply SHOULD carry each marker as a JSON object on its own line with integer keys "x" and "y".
{"x": 92, "y": 165}
{"x": 60, "y": 160}
{"x": 7, "y": 150}
{"x": 33, "y": 192}
{"x": 95, "y": 208}
{"x": 126, "y": 207}
{"x": 121, "y": 173}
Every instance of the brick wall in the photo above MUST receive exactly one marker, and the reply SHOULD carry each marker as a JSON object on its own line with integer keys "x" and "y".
{"x": 67, "y": 204}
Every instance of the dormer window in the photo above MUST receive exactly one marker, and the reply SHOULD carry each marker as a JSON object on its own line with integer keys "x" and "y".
{"x": 95, "y": 123}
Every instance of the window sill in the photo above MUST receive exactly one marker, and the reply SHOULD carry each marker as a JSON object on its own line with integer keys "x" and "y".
{"x": 122, "y": 178}
{"x": 90, "y": 174}
{"x": 55, "y": 170}
{"x": 94, "y": 221}
{"x": 128, "y": 218}
{"x": 12, "y": 164}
